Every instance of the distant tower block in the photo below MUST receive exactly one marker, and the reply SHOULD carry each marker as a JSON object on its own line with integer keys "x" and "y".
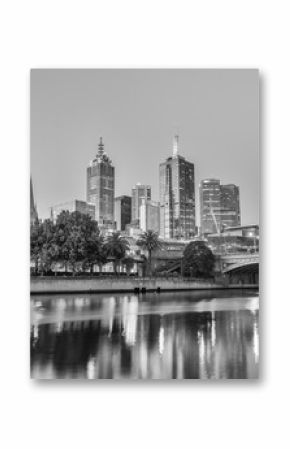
{"x": 123, "y": 205}
{"x": 177, "y": 196}
{"x": 219, "y": 206}
{"x": 101, "y": 186}
{"x": 139, "y": 192}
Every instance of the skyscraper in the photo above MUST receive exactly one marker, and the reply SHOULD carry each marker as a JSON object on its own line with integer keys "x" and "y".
{"x": 101, "y": 186}
{"x": 150, "y": 216}
{"x": 33, "y": 211}
{"x": 230, "y": 205}
{"x": 123, "y": 206}
{"x": 177, "y": 196}
{"x": 210, "y": 205}
{"x": 139, "y": 192}
{"x": 219, "y": 206}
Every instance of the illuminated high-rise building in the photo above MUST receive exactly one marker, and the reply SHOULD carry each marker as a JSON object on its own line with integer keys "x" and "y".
{"x": 177, "y": 196}
{"x": 230, "y": 205}
{"x": 101, "y": 187}
{"x": 219, "y": 206}
{"x": 210, "y": 205}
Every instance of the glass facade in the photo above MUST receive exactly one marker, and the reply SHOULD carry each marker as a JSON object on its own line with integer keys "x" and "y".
{"x": 177, "y": 197}
{"x": 123, "y": 206}
{"x": 219, "y": 206}
{"x": 140, "y": 192}
{"x": 150, "y": 216}
{"x": 210, "y": 205}
{"x": 230, "y": 205}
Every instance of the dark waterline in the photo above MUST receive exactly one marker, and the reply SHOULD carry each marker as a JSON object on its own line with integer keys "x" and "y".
{"x": 184, "y": 335}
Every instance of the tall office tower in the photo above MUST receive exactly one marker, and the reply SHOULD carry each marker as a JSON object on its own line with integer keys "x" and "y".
{"x": 150, "y": 216}
{"x": 210, "y": 205}
{"x": 219, "y": 206}
{"x": 33, "y": 211}
{"x": 230, "y": 205}
{"x": 177, "y": 196}
{"x": 123, "y": 206}
{"x": 101, "y": 187}
{"x": 72, "y": 206}
{"x": 139, "y": 192}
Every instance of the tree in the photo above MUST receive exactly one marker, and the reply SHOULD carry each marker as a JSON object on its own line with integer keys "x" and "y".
{"x": 150, "y": 242}
{"x": 129, "y": 264}
{"x": 42, "y": 246}
{"x": 116, "y": 247}
{"x": 72, "y": 232}
{"x": 73, "y": 240}
{"x": 198, "y": 260}
{"x": 95, "y": 252}
{"x": 36, "y": 240}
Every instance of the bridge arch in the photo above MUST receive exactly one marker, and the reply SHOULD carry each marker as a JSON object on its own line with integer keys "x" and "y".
{"x": 240, "y": 266}
{"x": 243, "y": 273}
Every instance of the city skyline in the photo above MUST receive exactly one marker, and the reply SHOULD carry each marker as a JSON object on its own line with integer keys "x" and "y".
{"x": 129, "y": 171}
{"x": 219, "y": 204}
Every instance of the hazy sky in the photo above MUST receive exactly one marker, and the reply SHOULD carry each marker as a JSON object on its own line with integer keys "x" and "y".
{"x": 137, "y": 112}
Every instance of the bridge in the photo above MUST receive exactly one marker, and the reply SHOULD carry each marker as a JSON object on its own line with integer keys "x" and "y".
{"x": 240, "y": 268}
{"x": 232, "y": 262}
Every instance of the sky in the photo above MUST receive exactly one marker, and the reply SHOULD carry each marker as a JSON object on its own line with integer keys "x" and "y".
{"x": 138, "y": 112}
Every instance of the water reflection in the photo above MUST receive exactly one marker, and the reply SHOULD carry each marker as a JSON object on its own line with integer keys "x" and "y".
{"x": 208, "y": 335}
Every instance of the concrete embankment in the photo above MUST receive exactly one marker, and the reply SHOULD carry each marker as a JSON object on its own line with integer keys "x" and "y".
{"x": 88, "y": 284}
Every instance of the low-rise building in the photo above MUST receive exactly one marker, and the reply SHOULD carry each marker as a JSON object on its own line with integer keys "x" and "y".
{"x": 72, "y": 206}
{"x": 234, "y": 240}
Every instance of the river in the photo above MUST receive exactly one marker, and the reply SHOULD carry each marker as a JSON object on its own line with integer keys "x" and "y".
{"x": 184, "y": 335}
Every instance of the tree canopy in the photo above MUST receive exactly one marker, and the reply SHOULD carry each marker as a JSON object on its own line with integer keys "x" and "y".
{"x": 116, "y": 247}
{"x": 198, "y": 260}
{"x": 73, "y": 239}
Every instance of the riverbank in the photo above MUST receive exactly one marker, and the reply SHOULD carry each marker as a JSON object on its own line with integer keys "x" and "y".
{"x": 87, "y": 284}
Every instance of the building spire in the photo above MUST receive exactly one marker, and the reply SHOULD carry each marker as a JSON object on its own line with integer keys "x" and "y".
{"x": 175, "y": 145}
{"x": 33, "y": 210}
{"x": 101, "y": 147}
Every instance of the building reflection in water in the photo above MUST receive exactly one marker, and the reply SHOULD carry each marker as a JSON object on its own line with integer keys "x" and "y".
{"x": 130, "y": 338}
